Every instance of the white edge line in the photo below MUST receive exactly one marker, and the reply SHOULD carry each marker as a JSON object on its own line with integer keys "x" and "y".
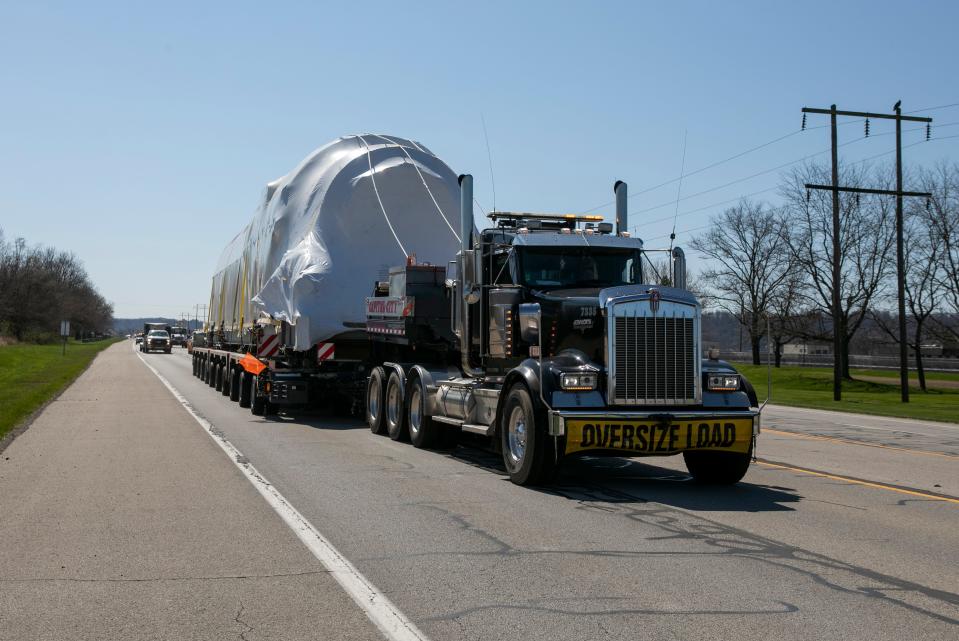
{"x": 392, "y": 623}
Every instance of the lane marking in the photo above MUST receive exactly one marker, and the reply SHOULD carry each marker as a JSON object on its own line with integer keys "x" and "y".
{"x": 836, "y": 439}
{"x": 849, "y": 479}
{"x": 390, "y": 621}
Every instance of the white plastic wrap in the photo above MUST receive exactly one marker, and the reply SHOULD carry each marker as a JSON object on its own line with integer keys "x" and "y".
{"x": 327, "y": 231}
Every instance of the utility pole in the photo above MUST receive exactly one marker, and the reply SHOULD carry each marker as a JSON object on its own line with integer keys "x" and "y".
{"x": 900, "y": 259}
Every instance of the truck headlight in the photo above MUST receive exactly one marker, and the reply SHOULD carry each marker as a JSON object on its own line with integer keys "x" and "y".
{"x": 723, "y": 382}
{"x": 577, "y": 382}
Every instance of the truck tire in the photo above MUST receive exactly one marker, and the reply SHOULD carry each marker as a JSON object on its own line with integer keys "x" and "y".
{"x": 246, "y": 385}
{"x": 211, "y": 380}
{"x": 236, "y": 376}
{"x": 257, "y": 402}
{"x": 394, "y": 410}
{"x": 424, "y": 431}
{"x": 375, "y": 398}
{"x": 227, "y": 380}
{"x": 218, "y": 383}
{"x": 717, "y": 468}
{"x": 528, "y": 452}
{"x": 194, "y": 366}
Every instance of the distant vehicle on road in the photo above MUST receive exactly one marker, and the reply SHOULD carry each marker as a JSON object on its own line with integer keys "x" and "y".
{"x": 138, "y": 338}
{"x": 178, "y": 336}
{"x": 157, "y": 340}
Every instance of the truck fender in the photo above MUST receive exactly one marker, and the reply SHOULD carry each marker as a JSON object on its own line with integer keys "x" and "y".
{"x": 430, "y": 378}
{"x": 526, "y": 372}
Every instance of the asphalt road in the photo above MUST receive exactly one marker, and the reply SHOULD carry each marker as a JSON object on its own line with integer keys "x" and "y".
{"x": 845, "y": 529}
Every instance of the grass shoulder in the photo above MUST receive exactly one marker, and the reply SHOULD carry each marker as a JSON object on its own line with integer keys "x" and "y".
{"x": 30, "y": 375}
{"x": 812, "y": 387}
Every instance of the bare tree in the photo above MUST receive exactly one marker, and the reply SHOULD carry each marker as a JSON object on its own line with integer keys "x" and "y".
{"x": 787, "y": 319}
{"x": 922, "y": 253}
{"x": 751, "y": 260}
{"x": 867, "y": 239}
{"x": 942, "y": 182}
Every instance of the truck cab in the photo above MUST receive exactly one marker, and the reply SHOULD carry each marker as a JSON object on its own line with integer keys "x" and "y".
{"x": 562, "y": 346}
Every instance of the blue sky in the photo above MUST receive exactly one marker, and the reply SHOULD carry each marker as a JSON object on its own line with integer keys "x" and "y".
{"x": 141, "y": 136}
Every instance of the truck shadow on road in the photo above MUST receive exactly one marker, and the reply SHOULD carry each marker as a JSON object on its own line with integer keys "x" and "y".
{"x": 621, "y": 480}
{"x": 614, "y": 480}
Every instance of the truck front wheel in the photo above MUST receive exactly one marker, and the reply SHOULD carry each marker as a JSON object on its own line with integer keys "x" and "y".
{"x": 394, "y": 409}
{"x": 374, "y": 401}
{"x": 717, "y": 468}
{"x": 528, "y": 452}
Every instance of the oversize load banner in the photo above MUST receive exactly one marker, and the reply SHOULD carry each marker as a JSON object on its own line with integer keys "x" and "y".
{"x": 636, "y": 437}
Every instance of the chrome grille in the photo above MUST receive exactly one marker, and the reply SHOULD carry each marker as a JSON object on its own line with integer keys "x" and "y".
{"x": 654, "y": 358}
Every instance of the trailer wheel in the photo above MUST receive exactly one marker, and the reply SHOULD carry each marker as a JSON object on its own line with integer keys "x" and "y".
{"x": 394, "y": 410}
{"x": 211, "y": 381}
{"x": 218, "y": 382}
{"x": 246, "y": 381}
{"x": 257, "y": 402}
{"x": 227, "y": 377}
{"x": 375, "y": 399}
{"x": 717, "y": 468}
{"x": 528, "y": 452}
{"x": 236, "y": 376}
{"x": 194, "y": 365}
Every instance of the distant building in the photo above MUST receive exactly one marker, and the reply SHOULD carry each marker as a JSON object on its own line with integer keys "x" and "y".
{"x": 807, "y": 348}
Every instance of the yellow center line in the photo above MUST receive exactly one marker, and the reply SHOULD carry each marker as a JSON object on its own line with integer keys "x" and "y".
{"x": 847, "y": 479}
{"x": 847, "y": 441}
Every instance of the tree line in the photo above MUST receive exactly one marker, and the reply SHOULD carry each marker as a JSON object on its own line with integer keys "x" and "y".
{"x": 40, "y": 286}
{"x": 771, "y": 267}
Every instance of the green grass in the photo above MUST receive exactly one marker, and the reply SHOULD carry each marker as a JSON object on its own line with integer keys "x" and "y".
{"x": 812, "y": 387}
{"x": 30, "y": 375}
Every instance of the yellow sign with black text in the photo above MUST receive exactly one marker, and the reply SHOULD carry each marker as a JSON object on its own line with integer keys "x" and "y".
{"x": 638, "y": 437}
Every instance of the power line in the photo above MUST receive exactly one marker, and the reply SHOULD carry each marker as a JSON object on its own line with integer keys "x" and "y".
{"x": 793, "y": 162}
{"x": 702, "y": 169}
{"x": 757, "y": 148}
{"x": 768, "y": 189}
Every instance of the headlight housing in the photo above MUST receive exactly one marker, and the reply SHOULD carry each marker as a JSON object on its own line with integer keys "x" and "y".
{"x": 578, "y": 381}
{"x": 722, "y": 382}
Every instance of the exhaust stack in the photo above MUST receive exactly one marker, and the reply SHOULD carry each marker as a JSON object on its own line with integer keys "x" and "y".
{"x": 620, "y": 190}
{"x": 679, "y": 268}
{"x": 467, "y": 276}
{"x": 466, "y": 212}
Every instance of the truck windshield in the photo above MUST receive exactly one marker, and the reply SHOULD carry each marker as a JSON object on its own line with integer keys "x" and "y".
{"x": 552, "y": 267}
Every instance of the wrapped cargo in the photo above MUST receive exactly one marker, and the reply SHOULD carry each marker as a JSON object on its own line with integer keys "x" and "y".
{"x": 325, "y": 233}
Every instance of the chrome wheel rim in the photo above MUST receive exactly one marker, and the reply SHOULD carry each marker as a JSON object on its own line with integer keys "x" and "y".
{"x": 516, "y": 435}
{"x": 393, "y": 404}
{"x": 373, "y": 399}
{"x": 415, "y": 414}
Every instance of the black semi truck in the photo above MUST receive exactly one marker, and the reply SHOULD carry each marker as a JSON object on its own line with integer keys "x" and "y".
{"x": 543, "y": 334}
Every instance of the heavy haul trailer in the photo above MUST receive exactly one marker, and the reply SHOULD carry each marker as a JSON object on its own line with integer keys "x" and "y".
{"x": 286, "y": 325}
{"x": 556, "y": 347}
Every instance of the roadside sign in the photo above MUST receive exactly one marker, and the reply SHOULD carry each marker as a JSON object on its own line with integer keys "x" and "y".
{"x": 64, "y": 328}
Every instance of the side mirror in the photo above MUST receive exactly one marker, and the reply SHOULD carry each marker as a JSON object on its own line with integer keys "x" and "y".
{"x": 529, "y": 320}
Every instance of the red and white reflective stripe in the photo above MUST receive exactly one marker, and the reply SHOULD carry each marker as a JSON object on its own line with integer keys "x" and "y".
{"x": 325, "y": 352}
{"x": 269, "y": 346}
